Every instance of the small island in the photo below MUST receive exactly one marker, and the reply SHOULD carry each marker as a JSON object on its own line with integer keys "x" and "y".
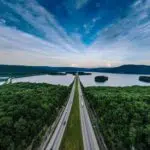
{"x": 79, "y": 73}
{"x": 84, "y": 73}
{"x": 145, "y": 79}
{"x": 101, "y": 78}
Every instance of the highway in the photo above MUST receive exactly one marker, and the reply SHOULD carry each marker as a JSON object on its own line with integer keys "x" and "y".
{"x": 89, "y": 139}
{"x": 55, "y": 140}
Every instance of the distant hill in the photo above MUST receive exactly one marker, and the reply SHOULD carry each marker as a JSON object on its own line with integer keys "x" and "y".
{"x": 126, "y": 69}
{"x": 14, "y": 70}
{"x": 18, "y": 70}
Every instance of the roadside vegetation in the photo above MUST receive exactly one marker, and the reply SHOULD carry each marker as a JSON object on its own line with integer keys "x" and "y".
{"x": 72, "y": 139}
{"x": 123, "y": 115}
{"x": 25, "y": 109}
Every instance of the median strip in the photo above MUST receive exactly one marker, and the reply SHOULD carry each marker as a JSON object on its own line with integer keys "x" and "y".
{"x": 72, "y": 139}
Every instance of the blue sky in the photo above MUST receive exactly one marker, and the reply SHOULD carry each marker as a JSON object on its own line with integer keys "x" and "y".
{"x": 84, "y": 33}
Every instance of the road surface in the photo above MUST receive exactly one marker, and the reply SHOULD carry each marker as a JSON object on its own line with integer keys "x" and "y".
{"x": 55, "y": 140}
{"x": 89, "y": 139}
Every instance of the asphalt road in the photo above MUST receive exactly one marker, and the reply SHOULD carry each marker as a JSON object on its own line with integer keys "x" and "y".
{"x": 55, "y": 140}
{"x": 89, "y": 138}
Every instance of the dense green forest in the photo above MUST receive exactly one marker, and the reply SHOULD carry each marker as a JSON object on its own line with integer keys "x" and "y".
{"x": 123, "y": 115}
{"x": 25, "y": 108}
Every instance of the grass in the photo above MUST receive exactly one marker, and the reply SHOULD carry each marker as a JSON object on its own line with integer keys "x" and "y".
{"x": 72, "y": 139}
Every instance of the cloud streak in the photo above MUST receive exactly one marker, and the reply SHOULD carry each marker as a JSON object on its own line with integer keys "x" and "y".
{"x": 43, "y": 21}
{"x": 128, "y": 37}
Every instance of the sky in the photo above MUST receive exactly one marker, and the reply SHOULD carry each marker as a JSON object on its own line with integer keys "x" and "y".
{"x": 77, "y": 33}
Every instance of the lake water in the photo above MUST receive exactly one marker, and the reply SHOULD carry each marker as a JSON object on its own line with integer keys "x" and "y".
{"x": 51, "y": 79}
{"x": 114, "y": 80}
{"x": 2, "y": 82}
{"x": 87, "y": 80}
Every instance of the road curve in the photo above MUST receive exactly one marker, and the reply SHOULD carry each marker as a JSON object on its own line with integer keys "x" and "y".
{"x": 55, "y": 140}
{"x": 89, "y": 138}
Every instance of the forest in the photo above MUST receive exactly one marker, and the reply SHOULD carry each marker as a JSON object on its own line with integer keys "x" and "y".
{"x": 25, "y": 109}
{"x": 123, "y": 115}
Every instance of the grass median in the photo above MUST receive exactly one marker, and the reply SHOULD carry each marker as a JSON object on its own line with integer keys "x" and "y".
{"x": 72, "y": 139}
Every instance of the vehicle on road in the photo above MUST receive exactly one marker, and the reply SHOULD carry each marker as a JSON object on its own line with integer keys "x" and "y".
{"x": 82, "y": 104}
{"x": 64, "y": 122}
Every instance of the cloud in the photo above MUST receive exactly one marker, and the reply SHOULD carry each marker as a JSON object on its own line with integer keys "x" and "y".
{"x": 54, "y": 48}
{"x": 26, "y": 49}
{"x": 124, "y": 41}
{"x": 11, "y": 48}
{"x": 80, "y": 3}
{"x": 128, "y": 37}
{"x": 44, "y": 22}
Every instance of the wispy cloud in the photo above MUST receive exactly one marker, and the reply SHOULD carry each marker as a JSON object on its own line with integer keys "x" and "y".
{"x": 54, "y": 47}
{"x": 128, "y": 38}
{"x": 80, "y": 3}
{"x": 44, "y": 22}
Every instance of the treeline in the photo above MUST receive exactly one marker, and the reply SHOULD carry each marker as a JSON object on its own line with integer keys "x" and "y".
{"x": 22, "y": 71}
{"x": 79, "y": 73}
{"x": 123, "y": 115}
{"x": 25, "y": 108}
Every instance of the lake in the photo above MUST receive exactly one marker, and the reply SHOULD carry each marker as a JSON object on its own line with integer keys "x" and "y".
{"x": 87, "y": 80}
{"x": 3, "y": 78}
{"x": 1, "y": 83}
{"x": 114, "y": 80}
{"x": 51, "y": 79}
